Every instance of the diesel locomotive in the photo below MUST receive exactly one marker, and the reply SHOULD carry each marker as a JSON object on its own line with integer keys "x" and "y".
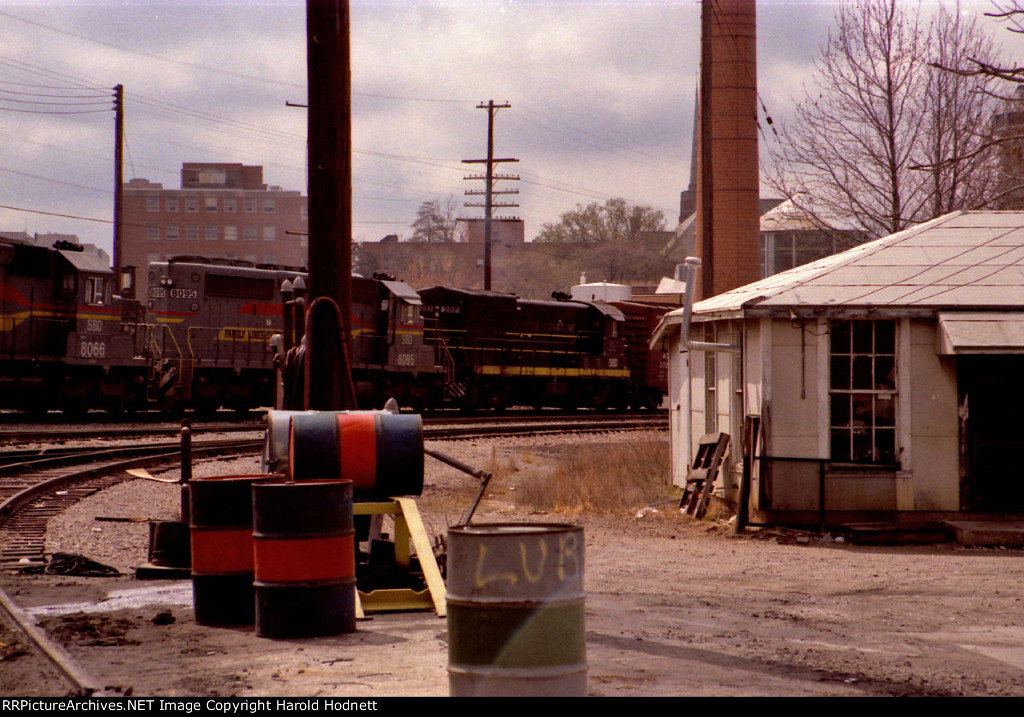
{"x": 205, "y": 336}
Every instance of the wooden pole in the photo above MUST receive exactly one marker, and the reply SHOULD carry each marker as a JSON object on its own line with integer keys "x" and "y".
{"x": 330, "y": 164}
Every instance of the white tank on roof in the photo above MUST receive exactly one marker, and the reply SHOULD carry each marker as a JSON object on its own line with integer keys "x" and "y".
{"x": 601, "y": 291}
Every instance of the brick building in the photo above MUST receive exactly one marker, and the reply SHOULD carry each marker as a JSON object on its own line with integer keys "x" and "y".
{"x": 221, "y": 210}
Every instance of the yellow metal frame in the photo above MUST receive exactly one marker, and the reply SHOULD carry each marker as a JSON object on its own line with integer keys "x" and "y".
{"x": 409, "y": 533}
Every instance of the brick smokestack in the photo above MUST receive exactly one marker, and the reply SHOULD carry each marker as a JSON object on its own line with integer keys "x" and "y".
{"x": 730, "y": 254}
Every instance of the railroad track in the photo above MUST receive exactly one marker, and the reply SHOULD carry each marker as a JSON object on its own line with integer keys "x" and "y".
{"x": 37, "y": 484}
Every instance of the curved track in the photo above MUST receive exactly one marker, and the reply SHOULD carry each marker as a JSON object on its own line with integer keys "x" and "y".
{"x": 37, "y": 484}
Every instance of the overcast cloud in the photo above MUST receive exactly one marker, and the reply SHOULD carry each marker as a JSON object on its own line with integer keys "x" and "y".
{"x": 602, "y": 99}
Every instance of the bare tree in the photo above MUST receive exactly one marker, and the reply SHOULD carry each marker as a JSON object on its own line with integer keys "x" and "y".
{"x": 957, "y": 112}
{"x": 436, "y": 221}
{"x": 881, "y": 114}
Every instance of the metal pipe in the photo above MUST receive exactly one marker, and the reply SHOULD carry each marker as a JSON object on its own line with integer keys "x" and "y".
{"x": 692, "y": 263}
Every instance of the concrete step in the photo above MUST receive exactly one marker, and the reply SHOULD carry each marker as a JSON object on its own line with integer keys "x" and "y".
{"x": 895, "y": 533}
{"x": 986, "y": 534}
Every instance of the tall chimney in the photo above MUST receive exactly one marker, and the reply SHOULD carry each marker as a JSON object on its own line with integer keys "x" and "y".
{"x": 728, "y": 216}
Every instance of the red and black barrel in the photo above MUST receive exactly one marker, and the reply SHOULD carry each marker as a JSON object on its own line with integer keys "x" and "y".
{"x": 304, "y": 546}
{"x": 220, "y": 528}
{"x": 380, "y": 452}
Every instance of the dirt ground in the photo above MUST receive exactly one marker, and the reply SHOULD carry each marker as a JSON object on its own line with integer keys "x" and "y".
{"x": 674, "y": 607}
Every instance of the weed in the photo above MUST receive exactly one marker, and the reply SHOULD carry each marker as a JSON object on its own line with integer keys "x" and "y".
{"x": 600, "y": 478}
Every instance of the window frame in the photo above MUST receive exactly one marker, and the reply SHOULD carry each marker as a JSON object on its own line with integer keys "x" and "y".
{"x": 863, "y": 392}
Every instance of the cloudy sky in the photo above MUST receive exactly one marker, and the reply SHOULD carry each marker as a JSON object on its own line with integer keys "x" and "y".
{"x": 601, "y": 98}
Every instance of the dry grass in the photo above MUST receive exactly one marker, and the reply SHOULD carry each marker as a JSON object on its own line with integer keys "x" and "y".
{"x": 598, "y": 478}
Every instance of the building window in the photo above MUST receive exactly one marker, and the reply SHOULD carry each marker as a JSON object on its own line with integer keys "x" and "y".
{"x": 230, "y": 233}
{"x": 229, "y": 205}
{"x": 231, "y": 255}
{"x": 210, "y": 203}
{"x": 171, "y": 232}
{"x": 171, "y": 204}
{"x": 862, "y": 390}
{"x": 153, "y": 232}
{"x": 153, "y": 203}
{"x": 192, "y": 204}
{"x": 250, "y": 233}
{"x": 269, "y": 207}
{"x": 211, "y": 232}
{"x": 304, "y": 240}
{"x": 710, "y": 382}
{"x": 304, "y": 213}
{"x": 269, "y": 232}
{"x": 252, "y": 257}
{"x": 95, "y": 291}
{"x": 250, "y": 205}
{"x": 152, "y": 256}
{"x": 192, "y": 232}
{"x": 270, "y": 258}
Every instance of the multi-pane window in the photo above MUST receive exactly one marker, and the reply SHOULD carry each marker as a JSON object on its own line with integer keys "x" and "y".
{"x": 304, "y": 212}
{"x": 171, "y": 232}
{"x": 153, "y": 203}
{"x": 171, "y": 203}
{"x": 250, "y": 205}
{"x": 270, "y": 258}
{"x": 192, "y": 232}
{"x": 229, "y": 205}
{"x": 211, "y": 232}
{"x": 191, "y": 204}
{"x": 250, "y": 233}
{"x": 210, "y": 203}
{"x": 862, "y": 390}
{"x": 269, "y": 232}
{"x": 269, "y": 206}
{"x": 230, "y": 233}
{"x": 153, "y": 232}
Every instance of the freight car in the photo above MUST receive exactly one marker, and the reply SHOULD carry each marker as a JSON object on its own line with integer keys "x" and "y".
{"x": 499, "y": 350}
{"x": 648, "y": 378}
{"x": 66, "y": 341}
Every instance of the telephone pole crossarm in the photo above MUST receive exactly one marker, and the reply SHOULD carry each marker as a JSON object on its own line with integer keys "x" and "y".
{"x": 489, "y": 179}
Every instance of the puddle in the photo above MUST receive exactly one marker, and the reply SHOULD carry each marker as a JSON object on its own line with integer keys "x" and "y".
{"x": 179, "y": 594}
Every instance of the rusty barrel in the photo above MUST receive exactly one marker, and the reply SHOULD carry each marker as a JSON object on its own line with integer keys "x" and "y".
{"x": 516, "y": 610}
{"x": 220, "y": 528}
{"x": 380, "y": 452}
{"x": 303, "y": 542}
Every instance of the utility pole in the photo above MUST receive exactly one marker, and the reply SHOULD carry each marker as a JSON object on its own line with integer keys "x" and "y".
{"x": 118, "y": 177}
{"x": 489, "y": 178}
{"x": 329, "y": 138}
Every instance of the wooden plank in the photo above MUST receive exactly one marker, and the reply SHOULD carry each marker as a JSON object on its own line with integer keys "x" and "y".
{"x": 425, "y": 552}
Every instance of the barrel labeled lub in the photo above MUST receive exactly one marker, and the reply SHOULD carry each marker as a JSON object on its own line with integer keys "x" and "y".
{"x": 516, "y": 610}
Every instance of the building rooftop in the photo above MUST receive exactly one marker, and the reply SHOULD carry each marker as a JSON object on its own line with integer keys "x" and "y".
{"x": 963, "y": 261}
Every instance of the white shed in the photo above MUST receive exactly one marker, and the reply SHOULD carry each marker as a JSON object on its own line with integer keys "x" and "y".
{"x": 889, "y": 379}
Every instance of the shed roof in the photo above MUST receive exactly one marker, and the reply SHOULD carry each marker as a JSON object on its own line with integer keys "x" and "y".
{"x": 959, "y": 261}
{"x": 963, "y": 260}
